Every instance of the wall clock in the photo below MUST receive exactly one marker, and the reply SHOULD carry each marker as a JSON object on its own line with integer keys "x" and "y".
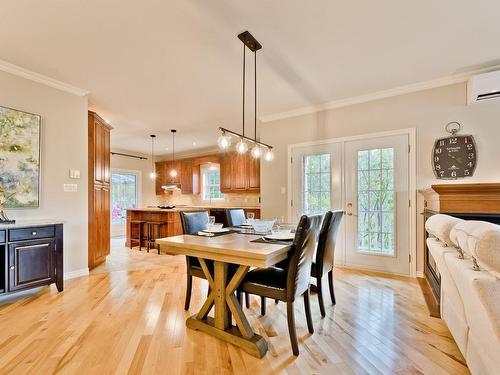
{"x": 455, "y": 156}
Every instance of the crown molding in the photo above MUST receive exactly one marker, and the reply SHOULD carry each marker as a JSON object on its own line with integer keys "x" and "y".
{"x": 401, "y": 90}
{"x": 40, "y": 78}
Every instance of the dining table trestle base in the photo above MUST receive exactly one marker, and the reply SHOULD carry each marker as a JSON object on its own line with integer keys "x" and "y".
{"x": 255, "y": 346}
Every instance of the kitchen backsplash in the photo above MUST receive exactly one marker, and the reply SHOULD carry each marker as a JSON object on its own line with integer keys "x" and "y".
{"x": 230, "y": 200}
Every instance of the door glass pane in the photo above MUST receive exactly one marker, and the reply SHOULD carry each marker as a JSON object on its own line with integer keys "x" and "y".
{"x": 123, "y": 195}
{"x": 316, "y": 183}
{"x": 376, "y": 201}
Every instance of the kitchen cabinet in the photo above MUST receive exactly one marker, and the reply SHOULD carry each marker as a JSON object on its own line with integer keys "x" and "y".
{"x": 31, "y": 256}
{"x": 239, "y": 173}
{"x": 187, "y": 176}
{"x": 99, "y": 189}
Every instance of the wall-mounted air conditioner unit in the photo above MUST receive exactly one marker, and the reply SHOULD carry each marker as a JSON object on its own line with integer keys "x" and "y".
{"x": 483, "y": 87}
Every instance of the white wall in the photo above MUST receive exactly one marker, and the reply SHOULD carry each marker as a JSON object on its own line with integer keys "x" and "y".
{"x": 64, "y": 147}
{"x": 427, "y": 111}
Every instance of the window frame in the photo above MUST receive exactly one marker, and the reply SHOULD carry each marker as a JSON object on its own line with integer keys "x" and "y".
{"x": 205, "y": 169}
{"x": 138, "y": 191}
{"x": 319, "y": 173}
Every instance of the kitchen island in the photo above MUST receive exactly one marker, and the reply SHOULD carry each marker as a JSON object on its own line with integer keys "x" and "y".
{"x": 169, "y": 217}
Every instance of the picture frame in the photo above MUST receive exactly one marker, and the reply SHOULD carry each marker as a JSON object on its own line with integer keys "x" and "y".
{"x": 20, "y": 157}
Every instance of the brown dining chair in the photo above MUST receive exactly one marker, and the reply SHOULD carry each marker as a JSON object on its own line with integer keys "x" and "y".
{"x": 325, "y": 251}
{"x": 288, "y": 284}
{"x": 235, "y": 217}
{"x": 192, "y": 223}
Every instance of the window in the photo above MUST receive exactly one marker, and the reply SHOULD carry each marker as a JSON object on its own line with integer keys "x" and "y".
{"x": 124, "y": 195}
{"x": 316, "y": 183}
{"x": 211, "y": 182}
{"x": 376, "y": 201}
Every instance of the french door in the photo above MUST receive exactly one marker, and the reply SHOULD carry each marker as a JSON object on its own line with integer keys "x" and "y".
{"x": 377, "y": 204}
{"x": 367, "y": 178}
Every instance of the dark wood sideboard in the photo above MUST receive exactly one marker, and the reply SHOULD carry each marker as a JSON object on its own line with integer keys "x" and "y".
{"x": 479, "y": 201}
{"x": 31, "y": 256}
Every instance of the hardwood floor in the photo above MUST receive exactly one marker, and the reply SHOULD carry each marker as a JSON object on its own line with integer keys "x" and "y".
{"x": 128, "y": 317}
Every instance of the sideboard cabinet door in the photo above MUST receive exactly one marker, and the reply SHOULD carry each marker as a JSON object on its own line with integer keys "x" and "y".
{"x": 31, "y": 264}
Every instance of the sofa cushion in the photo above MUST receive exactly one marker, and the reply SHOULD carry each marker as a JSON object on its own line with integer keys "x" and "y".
{"x": 480, "y": 293}
{"x": 440, "y": 227}
{"x": 480, "y": 240}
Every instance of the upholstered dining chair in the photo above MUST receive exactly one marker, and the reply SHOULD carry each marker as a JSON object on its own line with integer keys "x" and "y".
{"x": 325, "y": 251}
{"x": 288, "y": 284}
{"x": 235, "y": 217}
{"x": 193, "y": 222}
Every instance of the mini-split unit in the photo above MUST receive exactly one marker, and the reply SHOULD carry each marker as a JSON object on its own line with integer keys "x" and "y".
{"x": 483, "y": 87}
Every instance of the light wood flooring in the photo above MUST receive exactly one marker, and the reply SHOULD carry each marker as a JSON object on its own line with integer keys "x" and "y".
{"x": 128, "y": 317}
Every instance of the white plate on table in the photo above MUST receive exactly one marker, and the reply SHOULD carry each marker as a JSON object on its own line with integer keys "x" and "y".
{"x": 222, "y": 230}
{"x": 281, "y": 236}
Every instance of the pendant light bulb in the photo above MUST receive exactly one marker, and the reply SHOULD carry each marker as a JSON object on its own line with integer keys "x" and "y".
{"x": 152, "y": 176}
{"x": 224, "y": 141}
{"x": 269, "y": 156}
{"x": 241, "y": 147}
{"x": 256, "y": 152}
{"x": 173, "y": 173}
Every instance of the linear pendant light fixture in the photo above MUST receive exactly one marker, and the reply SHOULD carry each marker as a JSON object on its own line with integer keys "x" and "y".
{"x": 224, "y": 140}
{"x": 152, "y": 174}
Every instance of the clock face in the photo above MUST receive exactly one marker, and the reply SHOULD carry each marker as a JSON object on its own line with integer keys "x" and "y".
{"x": 454, "y": 157}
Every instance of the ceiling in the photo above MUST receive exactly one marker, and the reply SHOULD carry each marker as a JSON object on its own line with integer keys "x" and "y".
{"x": 153, "y": 65}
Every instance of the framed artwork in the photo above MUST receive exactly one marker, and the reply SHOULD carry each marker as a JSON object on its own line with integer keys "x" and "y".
{"x": 20, "y": 157}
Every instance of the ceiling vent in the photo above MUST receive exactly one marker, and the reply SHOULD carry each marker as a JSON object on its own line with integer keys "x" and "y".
{"x": 483, "y": 87}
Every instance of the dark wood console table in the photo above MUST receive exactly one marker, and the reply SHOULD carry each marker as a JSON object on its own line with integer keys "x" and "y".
{"x": 31, "y": 255}
{"x": 466, "y": 201}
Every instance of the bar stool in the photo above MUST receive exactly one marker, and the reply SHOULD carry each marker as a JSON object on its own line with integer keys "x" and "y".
{"x": 136, "y": 239}
{"x": 152, "y": 225}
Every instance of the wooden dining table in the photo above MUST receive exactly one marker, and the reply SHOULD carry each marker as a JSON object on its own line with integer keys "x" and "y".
{"x": 236, "y": 249}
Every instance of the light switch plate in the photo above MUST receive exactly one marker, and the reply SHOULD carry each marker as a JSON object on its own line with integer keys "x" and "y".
{"x": 74, "y": 173}
{"x": 70, "y": 188}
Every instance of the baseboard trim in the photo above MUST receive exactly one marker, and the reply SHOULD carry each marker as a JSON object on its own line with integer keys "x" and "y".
{"x": 420, "y": 274}
{"x": 76, "y": 273}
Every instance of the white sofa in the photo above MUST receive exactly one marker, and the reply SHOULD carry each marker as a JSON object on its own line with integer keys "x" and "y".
{"x": 470, "y": 287}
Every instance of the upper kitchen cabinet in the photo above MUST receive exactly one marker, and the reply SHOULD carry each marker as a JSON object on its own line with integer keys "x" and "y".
{"x": 186, "y": 176}
{"x": 239, "y": 173}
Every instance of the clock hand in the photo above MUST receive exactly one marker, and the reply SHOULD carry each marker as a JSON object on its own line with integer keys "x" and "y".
{"x": 454, "y": 158}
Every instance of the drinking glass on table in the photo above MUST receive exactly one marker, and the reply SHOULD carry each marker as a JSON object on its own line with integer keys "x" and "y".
{"x": 250, "y": 215}
{"x": 211, "y": 220}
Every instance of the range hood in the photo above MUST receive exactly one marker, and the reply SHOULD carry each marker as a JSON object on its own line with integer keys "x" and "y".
{"x": 170, "y": 187}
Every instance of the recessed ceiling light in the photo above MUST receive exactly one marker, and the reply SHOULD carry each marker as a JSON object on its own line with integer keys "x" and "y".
{"x": 194, "y": 143}
{"x": 166, "y": 148}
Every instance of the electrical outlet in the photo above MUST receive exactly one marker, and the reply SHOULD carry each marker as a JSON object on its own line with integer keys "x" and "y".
{"x": 70, "y": 188}
{"x": 74, "y": 173}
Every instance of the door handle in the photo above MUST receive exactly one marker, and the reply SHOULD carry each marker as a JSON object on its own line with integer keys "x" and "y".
{"x": 349, "y": 213}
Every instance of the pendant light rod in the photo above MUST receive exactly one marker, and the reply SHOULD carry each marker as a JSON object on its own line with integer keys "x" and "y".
{"x": 224, "y": 130}
{"x": 173, "y": 131}
{"x": 255, "y": 96}
{"x": 244, "y": 80}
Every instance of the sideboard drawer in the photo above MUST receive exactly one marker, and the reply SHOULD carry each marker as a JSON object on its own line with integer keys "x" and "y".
{"x": 31, "y": 233}
{"x": 2, "y": 236}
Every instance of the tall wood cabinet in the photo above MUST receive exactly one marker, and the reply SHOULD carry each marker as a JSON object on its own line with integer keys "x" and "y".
{"x": 99, "y": 189}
